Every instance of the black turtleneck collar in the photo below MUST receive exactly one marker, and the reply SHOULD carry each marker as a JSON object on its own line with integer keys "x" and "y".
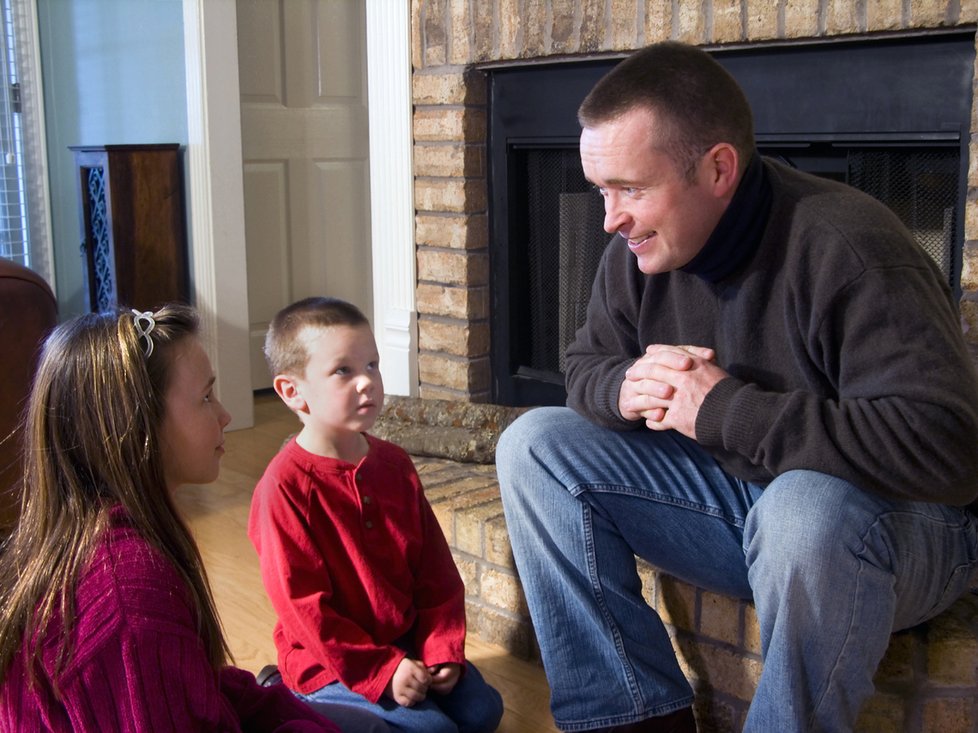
{"x": 739, "y": 230}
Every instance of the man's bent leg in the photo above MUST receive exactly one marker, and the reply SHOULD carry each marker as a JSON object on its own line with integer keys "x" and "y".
{"x": 835, "y": 571}
{"x": 580, "y": 502}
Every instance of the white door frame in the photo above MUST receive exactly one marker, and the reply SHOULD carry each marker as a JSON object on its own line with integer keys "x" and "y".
{"x": 216, "y": 194}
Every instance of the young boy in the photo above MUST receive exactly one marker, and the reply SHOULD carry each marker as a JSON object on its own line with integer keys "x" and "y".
{"x": 370, "y": 604}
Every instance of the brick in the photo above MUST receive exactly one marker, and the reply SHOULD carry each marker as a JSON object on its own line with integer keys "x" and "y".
{"x": 447, "y": 229}
{"x": 483, "y": 32}
{"x": 452, "y": 267}
{"x": 623, "y": 33}
{"x": 882, "y": 714}
{"x": 752, "y": 630}
{"x": 498, "y": 549}
{"x": 841, "y": 16}
{"x": 439, "y": 392}
{"x": 952, "y": 652}
{"x": 452, "y": 302}
{"x": 968, "y": 11}
{"x": 456, "y": 88}
{"x": 417, "y": 39}
{"x": 468, "y": 569}
{"x": 503, "y": 591}
{"x": 453, "y": 195}
{"x": 449, "y": 159}
{"x": 514, "y": 634}
{"x": 450, "y": 124}
{"x": 971, "y": 217}
{"x": 510, "y": 28}
{"x": 801, "y": 18}
{"x": 676, "y": 603}
{"x": 592, "y": 33}
{"x": 884, "y": 15}
{"x": 658, "y": 21}
{"x": 453, "y": 372}
{"x": 762, "y": 21}
{"x": 720, "y": 617}
{"x": 470, "y": 525}
{"x": 928, "y": 13}
{"x": 728, "y": 25}
{"x": 649, "y": 578}
{"x": 691, "y": 21}
{"x": 461, "y": 33}
{"x": 969, "y": 321}
{"x": 434, "y": 33}
{"x": 534, "y": 29}
{"x": 462, "y": 338}
{"x": 948, "y": 714}
{"x": 973, "y": 154}
{"x": 896, "y": 667}
{"x": 562, "y": 29}
{"x": 728, "y": 672}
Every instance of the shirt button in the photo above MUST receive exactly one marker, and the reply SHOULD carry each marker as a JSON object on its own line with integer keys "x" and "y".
{"x": 366, "y": 500}
{"x": 359, "y": 477}
{"x": 369, "y": 524}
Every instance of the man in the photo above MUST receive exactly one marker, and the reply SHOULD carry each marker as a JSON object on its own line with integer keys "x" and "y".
{"x": 777, "y": 404}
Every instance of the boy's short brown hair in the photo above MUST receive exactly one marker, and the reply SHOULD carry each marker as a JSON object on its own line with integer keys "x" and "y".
{"x": 285, "y": 352}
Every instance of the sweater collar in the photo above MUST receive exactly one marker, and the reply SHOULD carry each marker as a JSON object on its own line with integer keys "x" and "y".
{"x": 738, "y": 233}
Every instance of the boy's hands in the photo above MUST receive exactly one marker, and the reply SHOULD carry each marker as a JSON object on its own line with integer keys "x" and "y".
{"x": 444, "y": 677}
{"x": 410, "y": 682}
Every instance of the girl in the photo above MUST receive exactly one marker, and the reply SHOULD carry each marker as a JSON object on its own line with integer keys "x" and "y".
{"x": 106, "y": 619}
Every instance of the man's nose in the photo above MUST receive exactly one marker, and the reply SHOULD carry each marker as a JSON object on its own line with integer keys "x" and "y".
{"x": 614, "y": 216}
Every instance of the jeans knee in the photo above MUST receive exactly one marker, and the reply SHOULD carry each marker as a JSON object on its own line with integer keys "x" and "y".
{"x": 524, "y": 437}
{"x": 801, "y": 516}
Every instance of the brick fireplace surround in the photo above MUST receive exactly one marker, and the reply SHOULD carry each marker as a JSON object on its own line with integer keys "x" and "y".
{"x": 451, "y": 38}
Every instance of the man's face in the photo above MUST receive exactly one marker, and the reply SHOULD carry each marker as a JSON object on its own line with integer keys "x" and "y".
{"x": 665, "y": 217}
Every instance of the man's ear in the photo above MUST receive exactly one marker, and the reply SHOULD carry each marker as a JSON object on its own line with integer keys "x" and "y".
{"x": 286, "y": 388}
{"x": 724, "y": 161}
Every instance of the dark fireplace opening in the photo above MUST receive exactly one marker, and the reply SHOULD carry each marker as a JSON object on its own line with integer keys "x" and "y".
{"x": 890, "y": 117}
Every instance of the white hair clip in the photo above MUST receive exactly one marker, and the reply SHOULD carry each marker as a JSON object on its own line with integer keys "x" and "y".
{"x": 145, "y": 330}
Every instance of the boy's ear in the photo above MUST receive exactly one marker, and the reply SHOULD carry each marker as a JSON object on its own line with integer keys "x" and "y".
{"x": 288, "y": 391}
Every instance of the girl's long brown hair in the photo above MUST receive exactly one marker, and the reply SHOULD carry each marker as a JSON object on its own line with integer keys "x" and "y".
{"x": 92, "y": 443}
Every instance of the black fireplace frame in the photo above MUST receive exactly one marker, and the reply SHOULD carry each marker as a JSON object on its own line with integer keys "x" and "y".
{"x": 889, "y": 91}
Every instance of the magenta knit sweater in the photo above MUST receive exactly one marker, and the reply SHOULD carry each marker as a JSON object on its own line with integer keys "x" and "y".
{"x": 137, "y": 662}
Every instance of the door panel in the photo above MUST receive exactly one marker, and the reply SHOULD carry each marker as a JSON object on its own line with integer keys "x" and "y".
{"x": 305, "y": 149}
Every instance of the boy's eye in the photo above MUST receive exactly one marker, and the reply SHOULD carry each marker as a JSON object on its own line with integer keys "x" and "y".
{"x": 372, "y": 366}
{"x": 342, "y": 371}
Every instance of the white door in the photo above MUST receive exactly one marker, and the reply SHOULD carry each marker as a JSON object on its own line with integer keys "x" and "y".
{"x": 305, "y": 152}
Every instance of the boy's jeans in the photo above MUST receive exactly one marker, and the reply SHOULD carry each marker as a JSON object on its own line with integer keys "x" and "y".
{"x": 832, "y": 570}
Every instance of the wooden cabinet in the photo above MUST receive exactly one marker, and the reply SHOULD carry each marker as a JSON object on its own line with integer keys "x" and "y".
{"x": 133, "y": 225}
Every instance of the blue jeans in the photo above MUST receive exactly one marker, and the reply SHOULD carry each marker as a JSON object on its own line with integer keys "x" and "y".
{"x": 832, "y": 570}
{"x": 473, "y": 706}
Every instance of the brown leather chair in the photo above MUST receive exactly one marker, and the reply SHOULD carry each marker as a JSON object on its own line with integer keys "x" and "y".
{"x": 28, "y": 311}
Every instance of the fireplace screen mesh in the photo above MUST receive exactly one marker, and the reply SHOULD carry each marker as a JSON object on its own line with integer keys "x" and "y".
{"x": 564, "y": 242}
{"x": 920, "y": 187}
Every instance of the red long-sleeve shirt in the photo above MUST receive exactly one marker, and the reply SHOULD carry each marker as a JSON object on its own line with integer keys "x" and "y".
{"x": 138, "y": 663}
{"x": 356, "y": 567}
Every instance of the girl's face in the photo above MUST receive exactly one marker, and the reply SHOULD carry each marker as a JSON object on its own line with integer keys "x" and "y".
{"x": 192, "y": 434}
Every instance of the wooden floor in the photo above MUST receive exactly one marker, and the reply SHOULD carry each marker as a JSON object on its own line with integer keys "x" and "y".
{"x": 218, "y": 517}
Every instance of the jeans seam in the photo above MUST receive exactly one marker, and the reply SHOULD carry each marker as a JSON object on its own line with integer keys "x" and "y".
{"x": 596, "y": 589}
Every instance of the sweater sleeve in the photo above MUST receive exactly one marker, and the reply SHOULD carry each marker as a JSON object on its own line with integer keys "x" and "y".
{"x": 138, "y": 663}
{"x": 903, "y": 417}
{"x": 607, "y": 344}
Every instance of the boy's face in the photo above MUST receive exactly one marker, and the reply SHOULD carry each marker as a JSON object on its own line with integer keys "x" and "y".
{"x": 341, "y": 390}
